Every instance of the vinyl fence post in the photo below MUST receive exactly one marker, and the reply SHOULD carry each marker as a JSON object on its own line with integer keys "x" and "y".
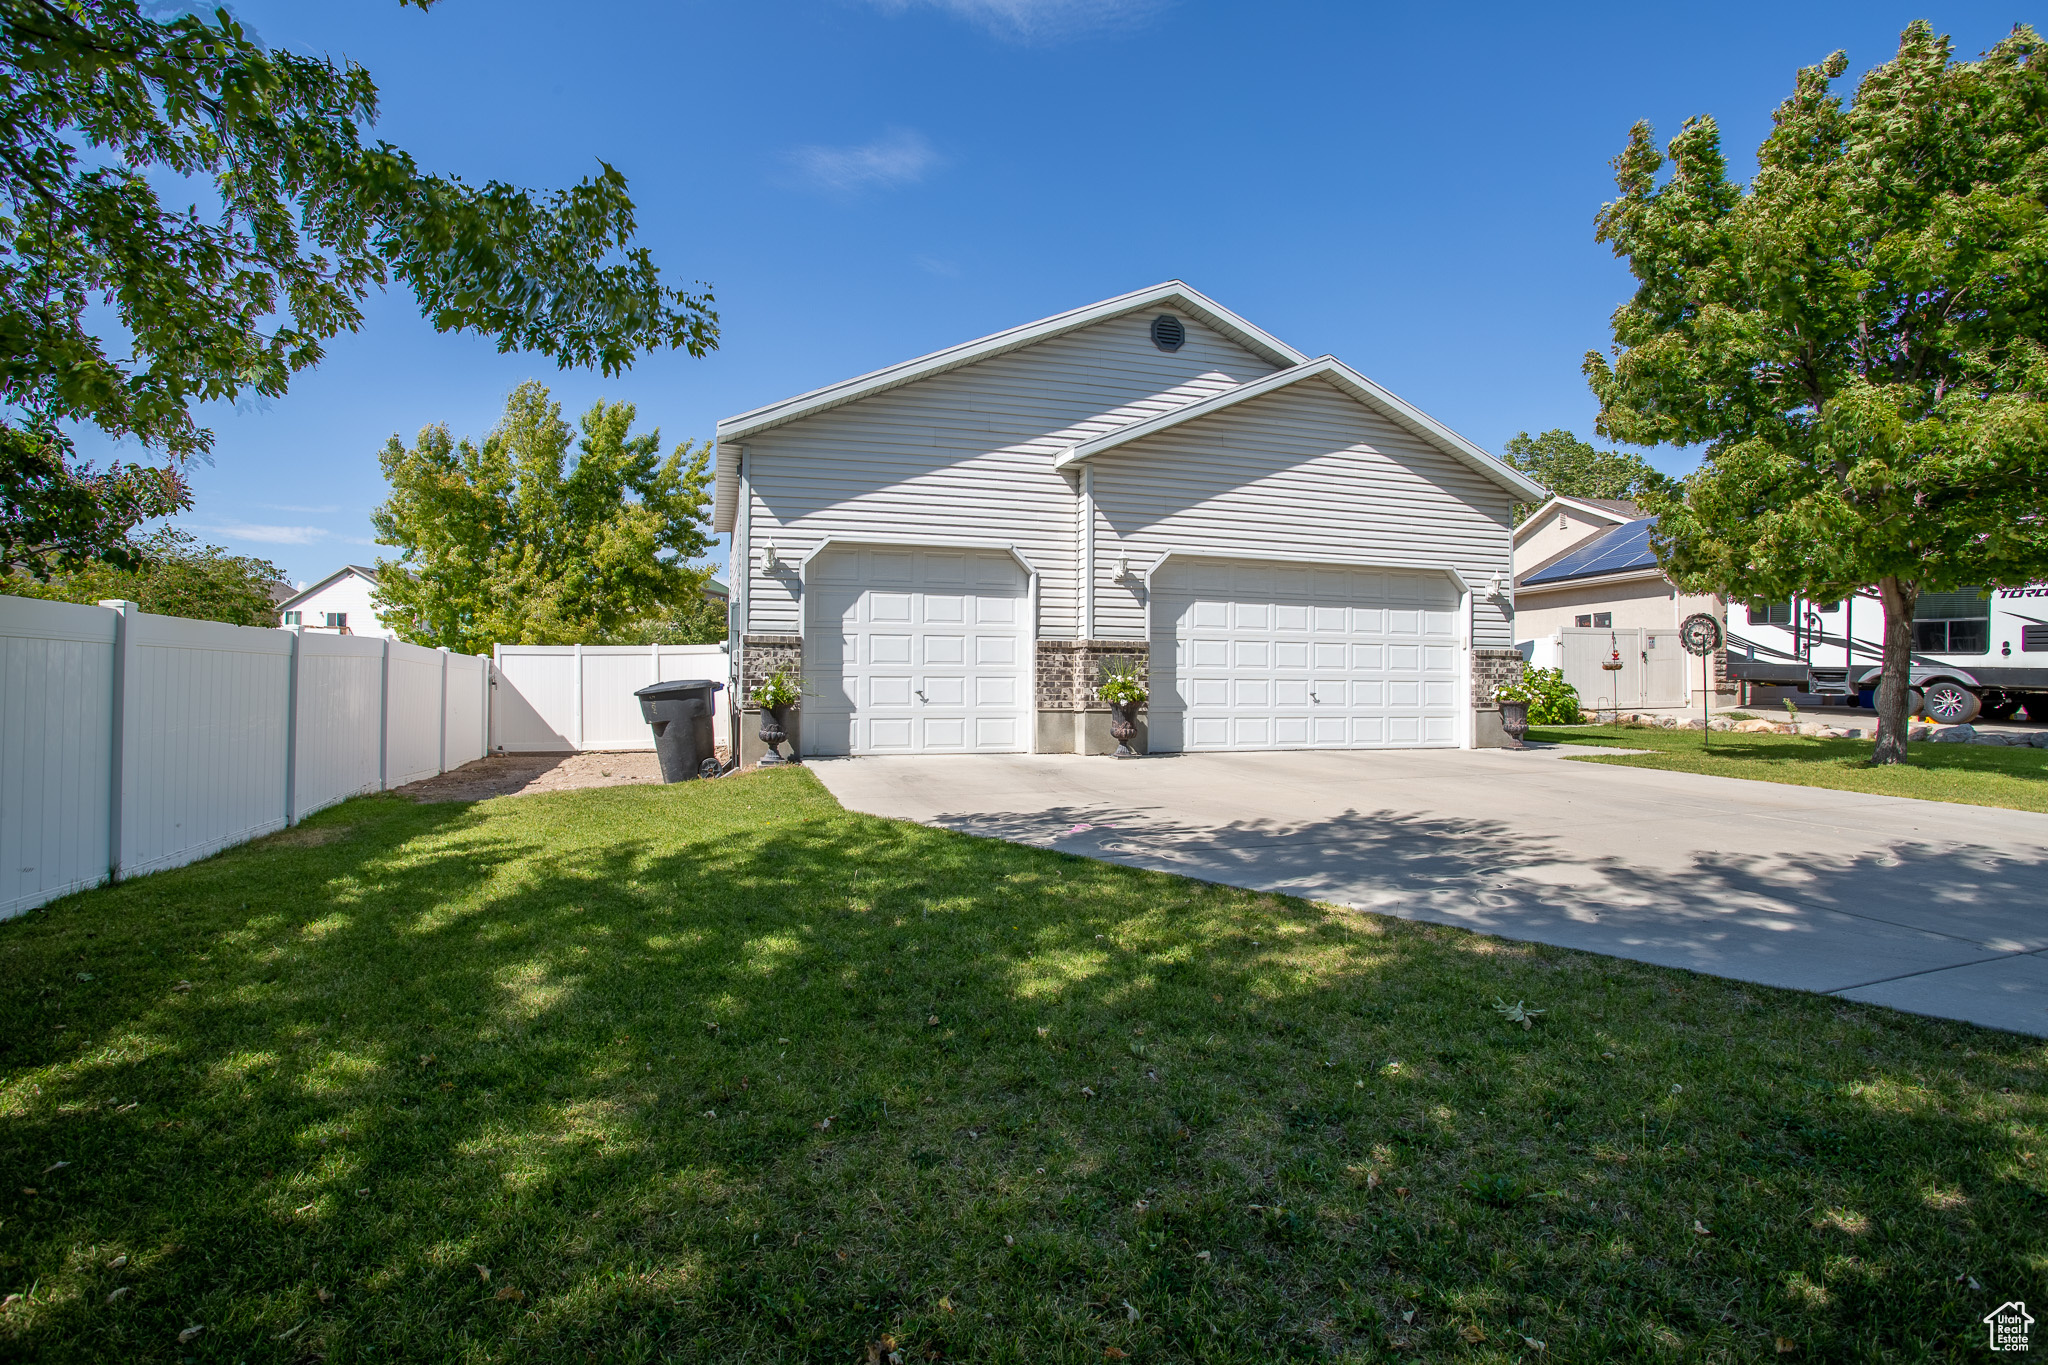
{"x": 444, "y": 709}
{"x": 125, "y": 685}
{"x": 384, "y": 718}
{"x": 291, "y": 730}
{"x": 577, "y": 739}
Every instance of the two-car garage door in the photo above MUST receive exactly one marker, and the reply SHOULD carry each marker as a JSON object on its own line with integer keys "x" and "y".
{"x": 1252, "y": 655}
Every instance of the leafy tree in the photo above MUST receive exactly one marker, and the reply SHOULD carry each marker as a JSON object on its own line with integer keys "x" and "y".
{"x": 696, "y": 619}
{"x": 299, "y": 217}
{"x": 174, "y": 575}
{"x": 1566, "y": 465}
{"x": 510, "y": 542}
{"x": 1856, "y": 336}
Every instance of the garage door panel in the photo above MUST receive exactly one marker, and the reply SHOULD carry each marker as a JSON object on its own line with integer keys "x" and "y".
{"x": 914, "y": 651}
{"x": 1273, "y": 656}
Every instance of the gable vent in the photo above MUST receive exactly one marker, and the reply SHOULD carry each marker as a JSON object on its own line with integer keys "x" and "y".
{"x": 1168, "y": 332}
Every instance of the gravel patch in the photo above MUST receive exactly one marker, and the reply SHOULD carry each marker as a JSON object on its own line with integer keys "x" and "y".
{"x": 528, "y": 774}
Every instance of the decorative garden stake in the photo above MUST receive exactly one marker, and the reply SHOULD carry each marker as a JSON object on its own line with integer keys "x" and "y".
{"x": 777, "y": 695}
{"x": 1121, "y": 684}
{"x": 1700, "y": 634}
{"x": 1612, "y": 665}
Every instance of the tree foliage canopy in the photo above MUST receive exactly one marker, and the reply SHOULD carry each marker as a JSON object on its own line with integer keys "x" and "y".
{"x": 1573, "y": 468}
{"x": 302, "y": 214}
{"x": 1856, "y": 337}
{"x": 174, "y": 576}
{"x": 511, "y": 542}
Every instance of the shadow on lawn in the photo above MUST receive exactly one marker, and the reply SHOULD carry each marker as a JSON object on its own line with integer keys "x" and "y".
{"x": 589, "y": 1043}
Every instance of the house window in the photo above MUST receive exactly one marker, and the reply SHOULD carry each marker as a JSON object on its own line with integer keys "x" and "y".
{"x": 1763, "y": 613}
{"x": 336, "y": 620}
{"x": 1599, "y": 620}
{"x": 294, "y": 618}
{"x": 2034, "y": 639}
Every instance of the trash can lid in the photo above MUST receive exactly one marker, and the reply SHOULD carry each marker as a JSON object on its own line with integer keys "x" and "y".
{"x": 680, "y": 687}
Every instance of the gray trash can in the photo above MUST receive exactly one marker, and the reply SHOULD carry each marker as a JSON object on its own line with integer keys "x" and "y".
{"x": 681, "y": 713}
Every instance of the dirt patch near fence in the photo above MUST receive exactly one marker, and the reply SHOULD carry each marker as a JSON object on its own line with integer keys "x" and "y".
{"x": 526, "y": 774}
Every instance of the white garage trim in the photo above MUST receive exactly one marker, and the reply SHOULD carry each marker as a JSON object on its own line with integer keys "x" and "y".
{"x": 926, "y": 543}
{"x": 1464, "y": 724}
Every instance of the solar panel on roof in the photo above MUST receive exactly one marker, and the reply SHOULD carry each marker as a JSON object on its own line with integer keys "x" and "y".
{"x": 1624, "y": 547}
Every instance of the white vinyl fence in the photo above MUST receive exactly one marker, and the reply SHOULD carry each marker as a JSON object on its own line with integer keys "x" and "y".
{"x": 131, "y": 742}
{"x": 568, "y": 698}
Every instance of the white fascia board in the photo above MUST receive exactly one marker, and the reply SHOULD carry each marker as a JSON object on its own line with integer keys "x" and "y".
{"x": 1337, "y": 372}
{"x": 725, "y": 487}
{"x": 1557, "y": 500}
{"x": 1173, "y": 292}
{"x": 914, "y": 542}
{"x": 1595, "y": 580}
{"x": 343, "y": 572}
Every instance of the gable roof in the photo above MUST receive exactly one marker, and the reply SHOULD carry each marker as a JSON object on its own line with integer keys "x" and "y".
{"x": 1612, "y": 510}
{"x": 344, "y": 571}
{"x": 1620, "y": 549}
{"x": 725, "y": 504}
{"x": 1350, "y": 381}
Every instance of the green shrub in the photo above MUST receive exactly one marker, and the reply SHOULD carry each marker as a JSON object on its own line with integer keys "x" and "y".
{"x": 1552, "y": 700}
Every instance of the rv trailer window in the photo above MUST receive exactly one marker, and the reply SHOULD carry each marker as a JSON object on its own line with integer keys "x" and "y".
{"x": 1952, "y": 637}
{"x": 2034, "y": 639}
{"x": 1763, "y": 613}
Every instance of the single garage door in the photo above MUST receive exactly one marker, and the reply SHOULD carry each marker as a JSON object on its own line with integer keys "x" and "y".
{"x": 1270, "y": 656}
{"x": 915, "y": 652}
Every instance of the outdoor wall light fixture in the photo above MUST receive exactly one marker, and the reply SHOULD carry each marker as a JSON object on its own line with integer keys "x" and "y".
{"x": 1123, "y": 565}
{"x": 1497, "y": 587}
{"x": 771, "y": 562}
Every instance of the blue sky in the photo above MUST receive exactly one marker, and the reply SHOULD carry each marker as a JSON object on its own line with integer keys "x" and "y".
{"x": 1411, "y": 188}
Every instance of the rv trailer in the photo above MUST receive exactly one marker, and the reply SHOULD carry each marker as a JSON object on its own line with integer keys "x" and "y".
{"x": 1975, "y": 651}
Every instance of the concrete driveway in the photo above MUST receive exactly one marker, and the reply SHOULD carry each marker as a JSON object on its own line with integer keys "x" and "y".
{"x": 1923, "y": 906}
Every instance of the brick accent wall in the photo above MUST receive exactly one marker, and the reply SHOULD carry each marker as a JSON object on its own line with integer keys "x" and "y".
{"x": 1067, "y": 671}
{"x": 761, "y": 655}
{"x": 1490, "y": 669}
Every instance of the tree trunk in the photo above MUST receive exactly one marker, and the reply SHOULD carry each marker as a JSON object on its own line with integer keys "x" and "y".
{"x": 1896, "y": 680}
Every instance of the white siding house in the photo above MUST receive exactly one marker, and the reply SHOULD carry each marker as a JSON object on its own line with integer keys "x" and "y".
{"x": 949, "y": 548}
{"x": 340, "y": 603}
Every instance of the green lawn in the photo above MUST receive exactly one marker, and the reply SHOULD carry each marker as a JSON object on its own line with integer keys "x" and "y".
{"x": 724, "y": 1073}
{"x": 1968, "y": 774}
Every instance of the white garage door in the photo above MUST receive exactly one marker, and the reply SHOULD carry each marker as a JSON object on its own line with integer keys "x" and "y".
{"x": 915, "y": 652}
{"x": 1270, "y": 656}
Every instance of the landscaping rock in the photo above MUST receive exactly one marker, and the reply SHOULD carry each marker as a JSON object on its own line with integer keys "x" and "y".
{"x": 1994, "y": 740}
{"x": 2040, "y": 741}
{"x": 1953, "y": 734}
{"x": 1755, "y": 727}
{"x": 1915, "y": 734}
{"x": 1722, "y": 725}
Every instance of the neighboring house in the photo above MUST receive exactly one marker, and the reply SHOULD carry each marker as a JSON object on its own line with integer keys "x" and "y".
{"x": 1589, "y": 592}
{"x": 339, "y": 602}
{"x": 949, "y": 549}
{"x": 715, "y": 589}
